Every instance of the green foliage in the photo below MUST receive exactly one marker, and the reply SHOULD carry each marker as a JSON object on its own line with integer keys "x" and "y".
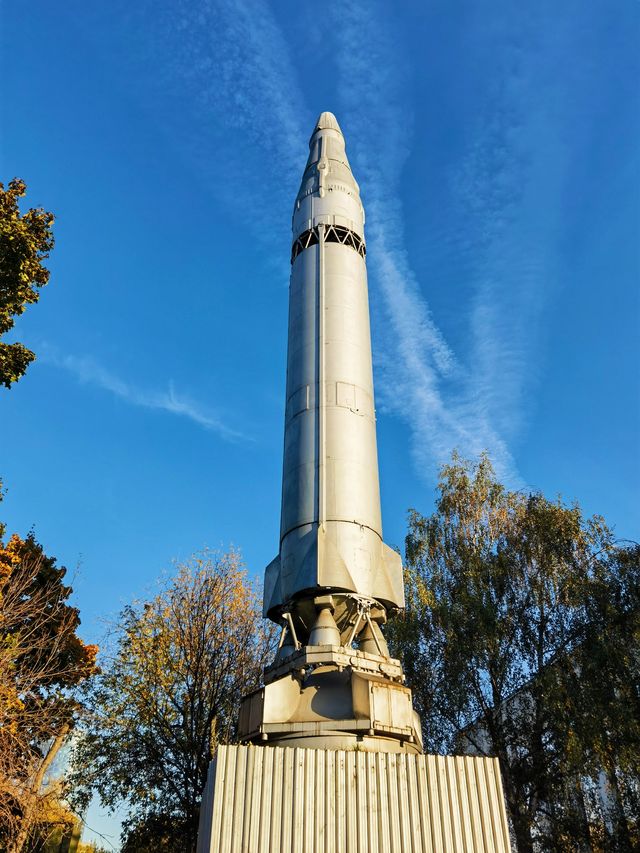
{"x": 25, "y": 241}
{"x": 167, "y": 695}
{"x": 521, "y": 638}
{"x": 156, "y": 833}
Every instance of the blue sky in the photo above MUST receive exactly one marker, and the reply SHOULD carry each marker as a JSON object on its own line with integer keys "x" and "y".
{"x": 496, "y": 145}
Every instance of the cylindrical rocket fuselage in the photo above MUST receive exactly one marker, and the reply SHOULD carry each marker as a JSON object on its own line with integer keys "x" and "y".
{"x": 331, "y": 530}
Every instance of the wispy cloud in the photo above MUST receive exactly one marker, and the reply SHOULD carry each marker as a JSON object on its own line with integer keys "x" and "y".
{"x": 508, "y": 189}
{"x": 422, "y": 381}
{"x": 88, "y": 371}
{"x": 222, "y": 73}
{"x": 231, "y": 85}
{"x": 236, "y": 58}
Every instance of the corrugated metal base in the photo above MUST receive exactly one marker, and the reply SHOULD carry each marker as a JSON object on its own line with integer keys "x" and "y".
{"x": 263, "y": 799}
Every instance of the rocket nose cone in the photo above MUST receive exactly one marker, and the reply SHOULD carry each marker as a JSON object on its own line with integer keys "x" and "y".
{"x": 326, "y": 121}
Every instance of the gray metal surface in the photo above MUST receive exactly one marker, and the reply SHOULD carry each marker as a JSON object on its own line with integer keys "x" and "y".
{"x": 269, "y": 799}
{"x": 331, "y": 529}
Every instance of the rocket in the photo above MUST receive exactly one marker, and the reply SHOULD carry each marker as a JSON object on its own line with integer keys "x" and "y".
{"x": 331, "y": 529}
{"x": 333, "y": 683}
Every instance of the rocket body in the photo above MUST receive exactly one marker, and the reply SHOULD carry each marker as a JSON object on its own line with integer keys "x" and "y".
{"x": 331, "y": 530}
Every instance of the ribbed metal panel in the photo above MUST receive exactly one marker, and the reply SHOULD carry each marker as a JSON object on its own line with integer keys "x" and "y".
{"x": 262, "y": 799}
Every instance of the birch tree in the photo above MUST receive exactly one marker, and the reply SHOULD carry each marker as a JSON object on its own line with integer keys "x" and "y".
{"x": 521, "y": 640}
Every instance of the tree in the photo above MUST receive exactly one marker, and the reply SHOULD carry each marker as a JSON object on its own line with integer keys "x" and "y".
{"x": 42, "y": 660}
{"x": 56, "y": 828}
{"x": 25, "y": 242}
{"x": 499, "y": 639}
{"x": 607, "y": 665}
{"x": 168, "y": 693}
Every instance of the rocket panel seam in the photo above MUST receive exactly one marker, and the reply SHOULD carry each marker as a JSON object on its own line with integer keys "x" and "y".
{"x": 330, "y": 521}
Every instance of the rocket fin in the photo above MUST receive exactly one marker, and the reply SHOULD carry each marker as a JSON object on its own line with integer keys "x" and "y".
{"x": 332, "y": 569}
{"x": 272, "y": 595}
{"x": 393, "y": 571}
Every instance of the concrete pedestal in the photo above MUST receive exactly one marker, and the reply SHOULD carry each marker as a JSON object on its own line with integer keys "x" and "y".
{"x": 262, "y": 799}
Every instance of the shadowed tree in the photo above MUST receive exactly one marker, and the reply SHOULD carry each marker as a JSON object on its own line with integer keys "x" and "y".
{"x": 42, "y": 660}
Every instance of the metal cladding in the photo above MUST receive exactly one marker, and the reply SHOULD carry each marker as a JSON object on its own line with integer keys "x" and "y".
{"x": 266, "y": 799}
{"x": 331, "y": 529}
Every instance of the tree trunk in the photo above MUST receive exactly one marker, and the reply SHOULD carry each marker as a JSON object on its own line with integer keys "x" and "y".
{"x": 582, "y": 817}
{"x": 621, "y": 836}
{"x": 31, "y": 799}
{"x": 514, "y": 800}
{"x": 522, "y": 831}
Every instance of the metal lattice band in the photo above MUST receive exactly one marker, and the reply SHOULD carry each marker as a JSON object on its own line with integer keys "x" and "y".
{"x": 332, "y": 234}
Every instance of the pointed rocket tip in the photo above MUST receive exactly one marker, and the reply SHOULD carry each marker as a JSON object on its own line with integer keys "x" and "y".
{"x": 327, "y": 121}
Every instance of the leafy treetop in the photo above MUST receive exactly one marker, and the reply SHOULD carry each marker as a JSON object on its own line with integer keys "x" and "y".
{"x": 25, "y": 241}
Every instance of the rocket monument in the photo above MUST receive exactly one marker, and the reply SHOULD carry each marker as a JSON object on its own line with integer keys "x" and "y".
{"x": 334, "y": 581}
{"x": 330, "y": 753}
